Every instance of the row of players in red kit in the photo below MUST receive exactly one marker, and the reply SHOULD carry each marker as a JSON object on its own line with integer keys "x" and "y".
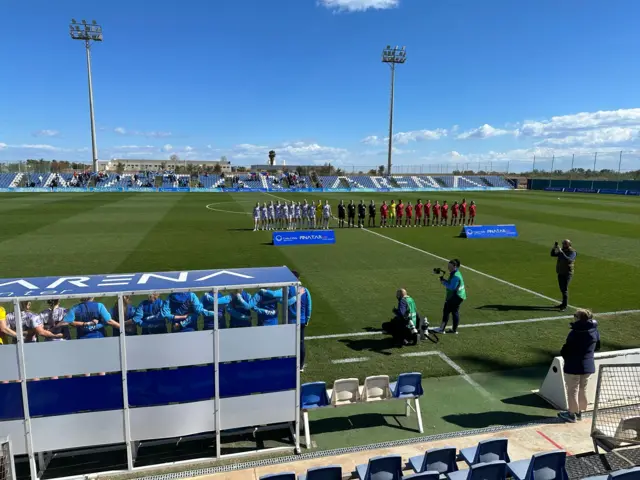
{"x": 426, "y": 214}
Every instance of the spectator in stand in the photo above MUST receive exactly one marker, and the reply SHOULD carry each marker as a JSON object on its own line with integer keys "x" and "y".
{"x": 89, "y": 318}
{"x": 130, "y": 327}
{"x": 579, "y": 364}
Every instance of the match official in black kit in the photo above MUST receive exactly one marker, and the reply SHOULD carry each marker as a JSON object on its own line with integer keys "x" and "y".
{"x": 565, "y": 265}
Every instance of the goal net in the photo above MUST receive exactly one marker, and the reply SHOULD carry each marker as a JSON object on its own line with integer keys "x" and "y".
{"x": 7, "y": 470}
{"x": 616, "y": 414}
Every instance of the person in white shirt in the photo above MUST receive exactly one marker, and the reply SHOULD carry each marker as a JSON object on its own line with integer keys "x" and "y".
{"x": 292, "y": 215}
{"x": 264, "y": 216}
{"x": 312, "y": 215}
{"x": 256, "y": 217}
{"x": 272, "y": 217}
{"x": 32, "y": 325}
{"x": 326, "y": 215}
{"x": 53, "y": 319}
{"x": 285, "y": 216}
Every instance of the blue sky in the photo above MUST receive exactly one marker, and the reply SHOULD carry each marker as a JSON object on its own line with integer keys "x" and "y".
{"x": 484, "y": 81}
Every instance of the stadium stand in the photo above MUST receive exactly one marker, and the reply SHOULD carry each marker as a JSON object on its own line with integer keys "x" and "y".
{"x": 330, "y": 182}
{"x": 6, "y": 179}
{"x": 211, "y": 181}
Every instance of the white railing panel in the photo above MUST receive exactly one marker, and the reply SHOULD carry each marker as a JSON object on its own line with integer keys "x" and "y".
{"x": 257, "y": 342}
{"x": 9, "y": 363}
{"x": 14, "y": 429}
{"x": 78, "y": 430}
{"x": 253, "y": 410}
{"x": 73, "y": 357}
{"x": 169, "y": 421}
{"x": 169, "y": 350}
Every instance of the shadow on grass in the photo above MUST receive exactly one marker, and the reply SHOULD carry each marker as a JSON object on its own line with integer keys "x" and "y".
{"x": 488, "y": 419}
{"x": 527, "y": 400}
{"x": 360, "y": 421}
{"x": 378, "y": 345}
{"x": 521, "y": 308}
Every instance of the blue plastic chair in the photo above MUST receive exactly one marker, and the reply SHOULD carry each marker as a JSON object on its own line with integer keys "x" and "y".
{"x": 627, "y": 474}
{"x": 441, "y": 460}
{"x": 482, "y": 471}
{"x": 279, "y": 476}
{"x": 422, "y": 476}
{"x": 409, "y": 387}
{"x": 486, "y": 451}
{"x": 541, "y": 466}
{"x": 388, "y": 467}
{"x": 331, "y": 472}
{"x": 312, "y": 395}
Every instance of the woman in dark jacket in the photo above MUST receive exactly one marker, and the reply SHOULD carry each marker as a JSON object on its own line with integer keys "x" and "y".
{"x": 579, "y": 365}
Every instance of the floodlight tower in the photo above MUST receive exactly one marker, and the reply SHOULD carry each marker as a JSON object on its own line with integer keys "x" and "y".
{"x": 392, "y": 56}
{"x": 88, "y": 33}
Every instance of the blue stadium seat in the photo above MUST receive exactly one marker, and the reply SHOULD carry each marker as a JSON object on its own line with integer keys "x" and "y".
{"x": 331, "y": 472}
{"x": 483, "y": 471}
{"x": 388, "y": 467}
{"x": 408, "y": 385}
{"x": 627, "y": 474}
{"x": 313, "y": 395}
{"x": 486, "y": 451}
{"x": 422, "y": 476}
{"x": 546, "y": 466}
{"x": 441, "y": 460}
{"x": 279, "y": 476}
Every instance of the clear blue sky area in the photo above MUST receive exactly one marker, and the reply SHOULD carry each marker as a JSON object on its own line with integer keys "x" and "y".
{"x": 492, "y": 80}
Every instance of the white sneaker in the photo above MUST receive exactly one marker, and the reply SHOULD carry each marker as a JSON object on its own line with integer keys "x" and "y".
{"x": 437, "y": 330}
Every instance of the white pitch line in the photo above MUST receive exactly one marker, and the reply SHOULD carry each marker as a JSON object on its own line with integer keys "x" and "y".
{"x": 420, "y": 354}
{"x": 477, "y": 325}
{"x": 537, "y": 294}
{"x": 464, "y": 375}
{"x": 350, "y": 360}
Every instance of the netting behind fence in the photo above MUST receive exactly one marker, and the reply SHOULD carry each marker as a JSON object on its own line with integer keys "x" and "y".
{"x": 6, "y": 461}
{"x": 616, "y": 415}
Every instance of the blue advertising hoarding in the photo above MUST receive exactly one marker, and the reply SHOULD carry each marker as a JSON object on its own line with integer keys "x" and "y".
{"x": 489, "y": 231}
{"x": 310, "y": 237}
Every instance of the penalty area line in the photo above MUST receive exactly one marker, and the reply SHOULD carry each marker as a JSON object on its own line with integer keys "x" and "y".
{"x": 537, "y": 294}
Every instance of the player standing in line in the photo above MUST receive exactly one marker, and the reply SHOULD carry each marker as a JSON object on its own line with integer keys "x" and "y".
{"x": 298, "y": 216}
{"x": 384, "y": 213}
{"x": 419, "y": 208}
{"x": 392, "y": 213}
{"x": 455, "y": 209}
{"x": 312, "y": 215}
{"x": 409, "y": 211}
{"x": 255, "y": 211}
{"x": 326, "y": 215}
{"x": 362, "y": 213}
{"x": 285, "y": 216}
{"x": 463, "y": 211}
{"x": 445, "y": 213}
{"x": 472, "y": 213}
{"x": 427, "y": 213}
{"x": 305, "y": 215}
{"x": 342, "y": 209}
{"x": 399, "y": 213}
{"x": 272, "y": 216}
{"x": 436, "y": 215}
{"x": 351, "y": 214}
{"x": 372, "y": 214}
{"x": 264, "y": 215}
{"x": 292, "y": 215}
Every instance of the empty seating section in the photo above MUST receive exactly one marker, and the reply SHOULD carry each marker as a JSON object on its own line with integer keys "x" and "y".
{"x": 329, "y": 182}
{"x": 361, "y": 182}
{"x": 249, "y": 183}
{"x": 488, "y": 460}
{"x": 6, "y": 179}
{"x": 498, "y": 181}
{"x": 211, "y": 181}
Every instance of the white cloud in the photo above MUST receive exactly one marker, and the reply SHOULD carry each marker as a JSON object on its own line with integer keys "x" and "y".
{"x": 372, "y": 140}
{"x": 46, "y": 133}
{"x": 563, "y": 125}
{"x": 419, "y": 135}
{"x": 138, "y": 133}
{"x": 167, "y": 148}
{"x": 485, "y": 131}
{"x": 3, "y": 146}
{"x": 358, "y": 5}
{"x": 132, "y": 147}
{"x": 596, "y": 138}
{"x": 50, "y": 148}
{"x": 298, "y": 152}
{"x": 188, "y": 148}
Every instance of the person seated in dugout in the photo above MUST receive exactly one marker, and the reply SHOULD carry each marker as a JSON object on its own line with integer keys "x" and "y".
{"x": 404, "y": 326}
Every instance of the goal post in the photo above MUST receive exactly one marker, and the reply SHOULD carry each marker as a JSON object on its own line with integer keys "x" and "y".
{"x": 616, "y": 413}
{"x": 7, "y": 464}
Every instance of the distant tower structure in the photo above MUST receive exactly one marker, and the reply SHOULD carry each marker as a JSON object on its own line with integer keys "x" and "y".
{"x": 272, "y": 157}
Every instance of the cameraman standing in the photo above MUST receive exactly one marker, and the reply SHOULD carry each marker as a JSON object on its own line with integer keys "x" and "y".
{"x": 456, "y": 294}
{"x": 565, "y": 264}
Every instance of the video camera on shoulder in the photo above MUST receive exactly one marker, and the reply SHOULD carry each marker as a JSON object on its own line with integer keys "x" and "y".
{"x": 439, "y": 271}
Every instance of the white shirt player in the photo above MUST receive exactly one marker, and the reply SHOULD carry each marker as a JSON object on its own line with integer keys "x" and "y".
{"x": 298, "y": 211}
{"x": 278, "y": 210}
{"x": 285, "y": 210}
{"x": 305, "y": 210}
{"x": 30, "y": 321}
{"x": 52, "y": 317}
{"x": 312, "y": 210}
{"x": 272, "y": 212}
{"x": 265, "y": 212}
{"x": 292, "y": 211}
{"x": 326, "y": 211}
{"x": 256, "y": 212}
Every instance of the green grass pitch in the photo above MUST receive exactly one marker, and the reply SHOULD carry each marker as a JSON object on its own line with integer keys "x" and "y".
{"x": 353, "y": 282}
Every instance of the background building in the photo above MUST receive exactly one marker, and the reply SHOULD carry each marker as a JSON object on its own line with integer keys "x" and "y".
{"x": 137, "y": 165}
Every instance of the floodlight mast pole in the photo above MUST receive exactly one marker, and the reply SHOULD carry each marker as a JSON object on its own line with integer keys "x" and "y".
{"x": 88, "y": 33}
{"x": 392, "y": 56}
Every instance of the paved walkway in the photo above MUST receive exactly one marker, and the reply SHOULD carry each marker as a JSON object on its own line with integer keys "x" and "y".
{"x": 524, "y": 442}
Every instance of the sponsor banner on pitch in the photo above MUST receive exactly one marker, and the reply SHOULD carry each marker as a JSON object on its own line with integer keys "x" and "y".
{"x": 489, "y": 231}
{"x": 310, "y": 237}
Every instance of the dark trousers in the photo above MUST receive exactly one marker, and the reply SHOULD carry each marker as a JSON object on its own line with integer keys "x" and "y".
{"x": 399, "y": 329}
{"x": 303, "y": 351}
{"x": 563, "y": 283}
{"x": 451, "y": 306}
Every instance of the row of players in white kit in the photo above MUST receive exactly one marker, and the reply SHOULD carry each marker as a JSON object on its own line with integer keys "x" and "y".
{"x": 290, "y": 216}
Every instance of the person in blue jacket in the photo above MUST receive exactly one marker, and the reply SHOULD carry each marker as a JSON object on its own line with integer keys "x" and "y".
{"x": 207, "y": 302}
{"x": 265, "y": 304}
{"x": 185, "y": 303}
{"x": 89, "y": 318}
{"x": 130, "y": 328}
{"x": 305, "y": 314}
{"x": 152, "y": 315}
{"x": 579, "y": 363}
{"x": 239, "y": 309}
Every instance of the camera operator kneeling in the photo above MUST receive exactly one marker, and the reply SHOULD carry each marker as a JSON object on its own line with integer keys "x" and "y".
{"x": 456, "y": 294}
{"x": 403, "y": 326}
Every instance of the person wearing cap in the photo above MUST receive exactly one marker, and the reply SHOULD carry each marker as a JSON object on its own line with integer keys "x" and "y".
{"x": 456, "y": 294}
{"x": 565, "y": 266}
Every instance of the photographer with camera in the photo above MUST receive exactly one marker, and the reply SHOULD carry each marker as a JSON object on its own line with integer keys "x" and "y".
{"x": 456, "y": 294}
{"x": 565, "y": 265}
{"x": 403, "y": 327}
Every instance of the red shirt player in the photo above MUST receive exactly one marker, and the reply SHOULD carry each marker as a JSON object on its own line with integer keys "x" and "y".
{"x": 445, "y": 212}
{"x": 399, "y": 213}
{"x": 419, "y": 207}
{"x": 463, "y": 211}
{"x": 455, "y": 209}
{"x": 472, "y": 213}
{"x": 409, "y": 211}
{"x": 427, "y": 213}
{"x": 384, "y": 212}
{"x": 436, "y": 214}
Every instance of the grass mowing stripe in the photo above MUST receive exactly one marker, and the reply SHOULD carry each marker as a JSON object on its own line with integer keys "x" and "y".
{"x": 476, "y": 325}
{"x": 467, "y": 268}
